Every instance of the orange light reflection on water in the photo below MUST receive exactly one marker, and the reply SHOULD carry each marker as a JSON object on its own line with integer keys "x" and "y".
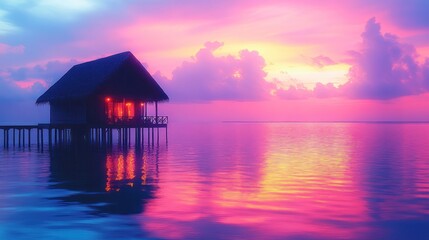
{"x": 307, "y": 185}
{"x": 296, "y": 187}
{"x": 120, "y": 168}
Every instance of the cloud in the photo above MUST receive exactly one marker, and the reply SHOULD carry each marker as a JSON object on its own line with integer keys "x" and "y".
{"x": 67, "y": 10}
{"x": 384, "y": 68}
{"x": 294, "y": 93}
{"x": 321, "y": 61}
{"x": 6, "y": 26}
{"x": 301, "y": 92}
{"x": 208, "y": 77}
{"x": 326, "y": 90}
{"x": 4, "y": 48}
{"x": 53, "y": 9}
{"x": 30, "y": 82}
{"x": 425, "y": 74}
{"x": 50, "y": 71}
{"x": 9, "y": 90}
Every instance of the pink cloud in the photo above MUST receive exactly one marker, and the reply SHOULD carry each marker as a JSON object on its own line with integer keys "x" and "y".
{"x": 5, "y": 48}
{"x": 326, "y": 90}
{"x": 425, "y": 73}
{"x": 10, "y": 90}
{"x": 30, "y": 82}
{"x": 300, "y": 92}
{"x": 321, "y": 61}
{"x": 208, "y": 77}
{"x": 294, "y": 93}
{"x": 50, "y": 71}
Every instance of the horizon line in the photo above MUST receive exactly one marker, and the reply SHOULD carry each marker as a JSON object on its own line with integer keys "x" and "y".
{"x": 334, "y": 121}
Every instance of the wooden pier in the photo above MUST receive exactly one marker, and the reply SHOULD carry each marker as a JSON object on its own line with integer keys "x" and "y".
{"x": 145, "y": 132}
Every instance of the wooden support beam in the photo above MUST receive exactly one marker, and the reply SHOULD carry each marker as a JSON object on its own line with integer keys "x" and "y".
{"x": 157, "y": 136}
{"x": 38, "y": 136}
{"x": 56, "y": 135}
{"x": 129, "y": 136}
{"x": 23, "y": 137}
{"x": 166, "y": 134}
{"x": 156, "y": 113}
{"x": 4, "y": 138}
{"x": 19, "y": 137}
{"x": 50, "y": 136}
{"x": 29, "y": 137}
{"x": 153, "y": 137}
{"x": 148, "y": 136}
{"x": 41, "y": 139}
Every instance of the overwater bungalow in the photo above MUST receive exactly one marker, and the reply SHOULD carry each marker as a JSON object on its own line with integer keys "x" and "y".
{"x": 110, "y": 91}
{"x": 94, "y": 98}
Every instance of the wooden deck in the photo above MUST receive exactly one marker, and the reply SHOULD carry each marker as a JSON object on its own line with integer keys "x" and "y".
{"x": 99, "y": 134}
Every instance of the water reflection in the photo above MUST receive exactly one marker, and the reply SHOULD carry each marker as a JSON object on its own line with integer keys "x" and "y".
{"x": 230, "y": 181}
{"x": 109, "y": 181}
{"x": 306, "y": 181}
{"x": 391, "y": 169}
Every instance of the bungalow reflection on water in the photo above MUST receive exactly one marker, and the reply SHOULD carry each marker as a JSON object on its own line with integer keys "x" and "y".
{"x": 112, "y": 181}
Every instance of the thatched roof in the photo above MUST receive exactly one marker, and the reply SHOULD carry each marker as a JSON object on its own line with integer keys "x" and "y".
{"x": 119, "y": 75}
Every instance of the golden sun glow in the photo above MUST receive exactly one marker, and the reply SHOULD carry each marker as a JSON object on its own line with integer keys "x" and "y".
{"x": 308, "y": 75}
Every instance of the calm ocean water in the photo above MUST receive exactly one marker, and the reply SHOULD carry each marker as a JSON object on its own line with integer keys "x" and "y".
{"x": 226, "y": 181}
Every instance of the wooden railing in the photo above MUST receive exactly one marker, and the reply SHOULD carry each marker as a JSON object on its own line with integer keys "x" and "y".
{"x": 155, "y": 120}
{"x": 148, "y": 120}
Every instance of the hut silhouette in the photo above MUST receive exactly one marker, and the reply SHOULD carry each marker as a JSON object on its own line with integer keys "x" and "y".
{"x": 95, "y": 97}
{"x": 106, "y": 91}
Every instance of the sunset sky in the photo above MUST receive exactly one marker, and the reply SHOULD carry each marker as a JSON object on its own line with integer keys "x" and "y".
{"x": 279, "y": 60}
